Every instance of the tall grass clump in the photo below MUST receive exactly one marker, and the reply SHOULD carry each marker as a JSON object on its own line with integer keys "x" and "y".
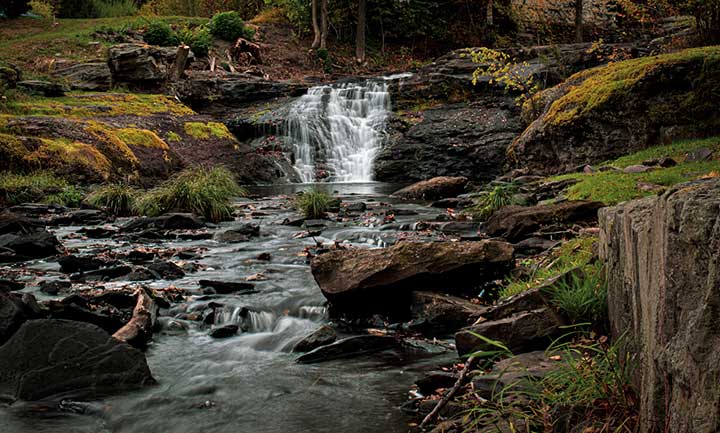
{"x": 117, "y": 199}
{"x": 582, "y": 297}
{"x": 498, "y": 197}
{"x": 313, "y": 204}
{"x": 32, "y": 188}
{"x": 200, "y": 190}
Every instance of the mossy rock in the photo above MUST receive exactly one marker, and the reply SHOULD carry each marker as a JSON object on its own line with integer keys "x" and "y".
{"x": 607, "y": 112}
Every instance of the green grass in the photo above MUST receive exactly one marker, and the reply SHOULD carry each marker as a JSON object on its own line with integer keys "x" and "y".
{"x": 39, "y": 187}
{"x": 117, "y": 199}
{"x": 202, "y": 191}
{"x": 571, "y": 254}
{"x": 498, "y": 197}
{"x": 611, "y": 187}
{"x": 313, "y": 204}
{"x": 582, "y": 298}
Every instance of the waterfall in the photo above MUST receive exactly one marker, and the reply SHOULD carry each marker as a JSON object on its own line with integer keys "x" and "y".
{"x": 336, "y": 131}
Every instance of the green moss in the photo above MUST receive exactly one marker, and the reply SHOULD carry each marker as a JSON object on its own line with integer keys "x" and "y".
{"x": 23, "y": 188}
{"x": 84, "y": 105}
{"x": 12, "y": 150}
{"x": 61, "y": 153}
{"x": 171, "y": 136}
{"x": 141, "y": 137}
{"x": 571, "y": 254}
{"x": 606, "y": 85}
{"x": 206, "y": 130}
{"x": 115, "y": 148}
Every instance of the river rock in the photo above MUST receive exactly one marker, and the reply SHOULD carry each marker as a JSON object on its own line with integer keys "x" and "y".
{"x": 51, "y": 357}
{"x": 11, "y": 286}
{"x": 321, "y": 337}
{"x": 225, "y": 331}
{"x": 350, "y": 347}
{"x": 520, "y": 332}
{"x": 521, "y": 372}
{"x": 699, "y": 155}
{"x": 433, "y": 189}
{"x": 380, "y": 280}
{"x": 71, "y": 263}
{"x": 228, "y": 287}
{"x": 44, "y": 88}
{"x": 440, "y": 313}
{"x": 166, "y": 270}
{"x": 663, "y": 267}
{"x": 514, "y": 223}
{"x": 22, "y": 247}
{"x": 80, "y": 217}
{"x": 169, "y": 221}
{"x": 55, "y": 287}
{"x": 13, "y": 313}
{"x": 239, "y": 234}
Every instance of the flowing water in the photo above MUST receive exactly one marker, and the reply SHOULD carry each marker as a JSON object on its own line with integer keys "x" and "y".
{"x": 336, "y": 130}
{"x": 250, "y": 382}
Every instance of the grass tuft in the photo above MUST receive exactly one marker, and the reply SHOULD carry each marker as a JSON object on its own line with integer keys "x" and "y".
{"x": 117, "y": 199}
{"x": 500, "y": 196}
{"x": 202, "y": 191}
{"x": 313, "y": 204}
{"x": 37, "y": 187}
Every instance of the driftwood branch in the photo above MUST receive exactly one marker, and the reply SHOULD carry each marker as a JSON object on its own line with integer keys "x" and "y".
{"x": 178, "y": 67}
{"x": 444, "y": 401}
{"x": 138, "y": 331}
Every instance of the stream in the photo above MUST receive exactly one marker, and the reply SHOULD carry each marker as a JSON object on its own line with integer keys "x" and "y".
{"x": 250, "y": 382}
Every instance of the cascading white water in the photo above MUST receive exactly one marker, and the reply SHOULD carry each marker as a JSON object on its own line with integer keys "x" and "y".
{"x": 338, "y": 129}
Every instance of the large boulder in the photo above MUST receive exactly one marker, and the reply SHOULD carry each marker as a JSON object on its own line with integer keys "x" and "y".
{"x": 140, "y": 63}
{"x": 13, "y": 313}
{"x": 606, "y": 112}
{"x": 380, "y": 280}
{"x": 87, "y": 76}
{"x": 515, "y": 223}
{"x": 23, "y": 238}
{"x": 52, "y": 357}
{"x": 663, "y": 269}
{"x": 433, "y": 189}
{"x": 440, "y": 313}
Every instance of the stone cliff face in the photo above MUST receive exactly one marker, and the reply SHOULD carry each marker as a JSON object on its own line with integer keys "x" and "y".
{"x": 663, "y": 266}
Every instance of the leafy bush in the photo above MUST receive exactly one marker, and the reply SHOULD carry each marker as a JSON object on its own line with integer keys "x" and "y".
{"x": 118, "y": 199}
{"x": 202, "y": 191}
{"x": 229, "y": 26}
{"x": 69, "y": 196}
{"x": 326, "y": 60}
{"x": 199, "y": 39}
{"x": 498, "y": 197}
{"x": 313, "y": 204}
{"x": 114, "y": 8}
{"x": 42, "y": 8}
{"x": 29, "y": 188}
{"x": 160, "y": 33}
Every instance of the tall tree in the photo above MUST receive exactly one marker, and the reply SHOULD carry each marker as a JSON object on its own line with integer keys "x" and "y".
{"x": 360, "y": 34}
{"x": 323, "y": 23}
{"x": 316, "y": 26}
{"x": 578, "y": 20}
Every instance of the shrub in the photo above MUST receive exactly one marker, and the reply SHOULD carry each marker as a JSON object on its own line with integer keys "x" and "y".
{"x": 199, "y": 39}
{"x": 114, "y": 8}
{"x": 69, "y": 196}
{"x": 25, "y": 188}
{"x": 229, "y": 26}
{"x": 160, "y": 33}
{"x": 117, "y": 199}
{"x": 202, "y": 191}
{"x": 324, "y": 56}
{"x": 313, "y": 204}
{"x": 42, "y": 8}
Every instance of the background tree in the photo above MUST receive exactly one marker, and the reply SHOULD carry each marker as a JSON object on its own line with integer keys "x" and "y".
{"x": 578, "y": 21}
{"x": 360, "y": 33}
{"x": 14, "y": 8}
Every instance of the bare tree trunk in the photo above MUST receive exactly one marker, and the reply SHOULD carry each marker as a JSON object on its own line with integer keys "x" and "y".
{"x": 489, "y": 13}
{"x": 323, "y": 23}
{"x": 316, "y": 26}
{"x": 578, "y": 21}
{"x": 360, "y": 36}
{"x": 180, "y": 61}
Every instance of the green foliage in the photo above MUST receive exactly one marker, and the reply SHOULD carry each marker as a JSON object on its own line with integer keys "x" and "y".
{"x": 29, "y": 188}
{"x": 583, "y": 296}
{"x": 575, "y": 253}
{"x": 229, "y": 26}
{"x": 42, "y": 8}
{"x": 498, "y": 197}
{"x": 313, "y": 204}
{"x": 160, "y": 33}
{"x": 96, "y": 8}
{"x": 202, "y": 191}
{"x": 612, "y": 187}
{"x": 514, "y": 77}
{"x": 117, "y": 199}
{"x": 70, "y": 196}
{"x": 14, "y": 8}
{"x": 326, "y": 60}
{"x": 199, "y": 39}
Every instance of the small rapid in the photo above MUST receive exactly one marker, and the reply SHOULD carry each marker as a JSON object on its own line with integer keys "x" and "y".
{"x": 336, "y": 131}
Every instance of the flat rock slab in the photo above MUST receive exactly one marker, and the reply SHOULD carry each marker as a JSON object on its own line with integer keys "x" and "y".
{"x": 52, "y": 357}
{"x": 380, "y": 280}
{"x": 433, "y": 189}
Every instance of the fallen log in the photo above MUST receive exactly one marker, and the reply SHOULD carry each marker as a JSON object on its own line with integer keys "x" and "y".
{"x": 138, "y": 331}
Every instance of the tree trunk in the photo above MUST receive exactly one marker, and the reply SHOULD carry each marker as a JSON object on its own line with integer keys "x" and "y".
{"x": 316, "y": 26}
{"x": 323, "y": 23}
{"x": 489, "y": 13}
{"x": 578, "y": 21}
{"x": 180, "y": 61}
{"x": 360, "y": 36}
